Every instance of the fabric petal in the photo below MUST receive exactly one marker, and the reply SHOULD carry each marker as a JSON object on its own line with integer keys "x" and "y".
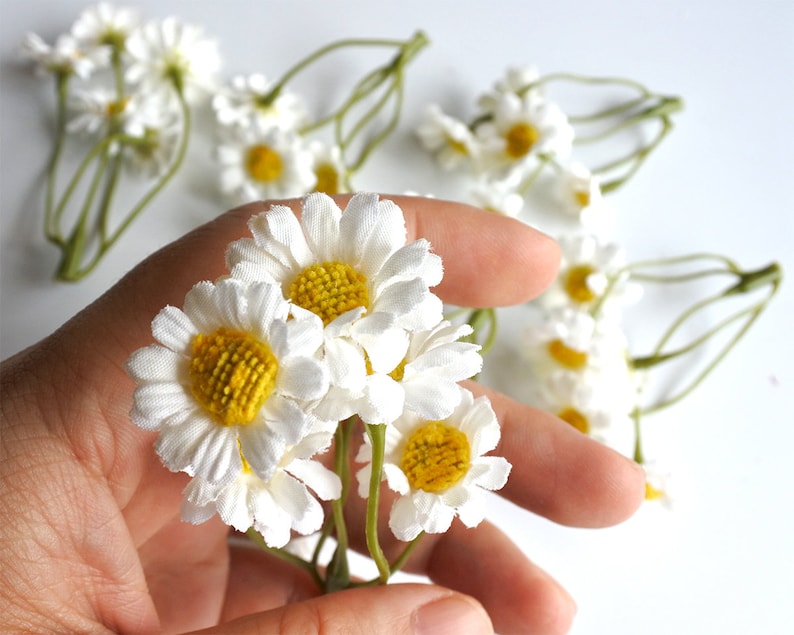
{"x": 320, "y": 479}
{"x": 174, "y": 330}
{"x": 320, "y": 221}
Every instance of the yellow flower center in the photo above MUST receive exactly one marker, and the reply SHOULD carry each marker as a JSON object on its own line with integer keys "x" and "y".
{"x": 263, "y": 163}
{"x": 652, "y": 493}
{"x": 575, "y": 418}
{"x": 582, "y": 197}
{"x": 327, "y": 179}
{"x": 232, "y": 375}
{"x": 436, "y": 457}
{"x": 457, "y": 146}
{"x": 566, "y": 356}
{"x": 520, "y": 139}
{"x": 329, "y": 289}
{"x": 117, "y": 107}
{"x": 575, "y": 284}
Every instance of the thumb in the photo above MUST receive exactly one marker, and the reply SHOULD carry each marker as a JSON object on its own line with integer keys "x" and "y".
{"x": 402, "y": 609}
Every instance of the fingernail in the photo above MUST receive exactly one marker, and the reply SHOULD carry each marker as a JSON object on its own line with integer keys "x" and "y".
{"x": 453, "y": 615}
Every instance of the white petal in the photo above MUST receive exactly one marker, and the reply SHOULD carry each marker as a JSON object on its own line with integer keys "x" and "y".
{"x": 403, "y": 519}
{"x": 396, "y": 479}
{"x": 371, "y": 231}
{"x": 324, "y": 482}
{"x": 233, "y": 505}
{"x": 155, "y": 364}
{"x": 431, "y": 397}
{"x": 262, "y": 449}
{"x": 266, "y": 304}
{"x": 320, "y": 220}
{"x": 200, "y": 306}
{"x": 174, "y": 329}
{"x": 154, "y": 403}
{"x": 413, "y": 260}
{"x": 382, "y": 401}
{"x": 491, "y": 472}
{"x": 302, "y": 378}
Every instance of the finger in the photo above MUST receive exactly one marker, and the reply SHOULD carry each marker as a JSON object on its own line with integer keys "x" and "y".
{"x": 560, "y": 473}
{"x": 489, "y": 260}
{"x": 519, "y": 596}
{"x": 260, "y": 582}
{"x": 401, "y": 609}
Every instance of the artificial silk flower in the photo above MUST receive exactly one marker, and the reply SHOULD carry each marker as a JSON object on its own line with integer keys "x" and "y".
{"x": 332, "y": 263}
{"x": 97, "y": 108}
{"x": 659, "y": 485}
{"x": 450, "y": 139}
{"x": 63, "y": 58}
{"x": 273, "y": 507}
{"x": 105, "y": 25}
{"x": 576, "y": 398}
{"x": 422, "y": 377}
{"x": 330, "y": 171}
{"x": 572, "y": 340}
{"x": 523, "y": 128}
{"x": 259, "y": 162}
{"x": 581, "y": 198}
{"x": 169, "y": 57}
{"x": 588, "y": 269}
{"x": 439, "y": 468}
{"x": 158, "y": 132}
{"x": 230, "y": 381}
{"x": 248, "y": 96}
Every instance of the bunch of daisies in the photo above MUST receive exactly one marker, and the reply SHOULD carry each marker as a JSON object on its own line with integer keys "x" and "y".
{"x": 127, "y": 86}
{"x": 321, "y": 323}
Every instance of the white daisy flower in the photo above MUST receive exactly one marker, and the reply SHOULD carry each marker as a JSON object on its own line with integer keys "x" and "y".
{"x": 353, "y": 267}
{"x": 168, "y": 56}
{"x": 97, "y": 108}
{"x": 450, "y": 139}
{"x": 567, "y": 339}
{"x": 659, "y": 487}
{"x": 439, "y": 468}
{"x": 498, "y": 196}
{"x": 585, "y": 402}
{"x": 274, "y": 507}
{"x": 521, "y": 129}
{"x": 159, "y": 131}
{"x": 232, "y": 376}
{"x": 590, "y": 268}
{"x": 329, "y": 168}
{"x": 422, "y": 379}
{"x": 106, "y": 25}
{"x": 263, "y": 163}
{"x": 516, "y": 80}
{"x": 581, "y": 198}
{"x": 65, "y": 57}
{"x": 246, "y": 97}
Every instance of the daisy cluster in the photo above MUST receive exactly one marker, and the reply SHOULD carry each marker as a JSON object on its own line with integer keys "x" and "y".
{"x": 127, "y": 86}
{"x": 271, "y": 146}
{"x": 320, "y": 321}
{"x": 575, "y": 347}
{"x": 132, "y": 74}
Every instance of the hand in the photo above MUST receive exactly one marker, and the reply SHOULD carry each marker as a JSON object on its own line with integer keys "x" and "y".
{"x": 89, "y": 518}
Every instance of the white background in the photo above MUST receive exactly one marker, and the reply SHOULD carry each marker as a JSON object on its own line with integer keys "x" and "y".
{"x": 722, "y": 561}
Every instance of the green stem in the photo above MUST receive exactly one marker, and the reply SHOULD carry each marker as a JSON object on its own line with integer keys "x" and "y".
{"x": 377, "y": 437}
{"x": 338, "y": 573}
{"x": 418, "y": 40}
{"x": 145, "y": 200}
{"x": 51, "y": 226}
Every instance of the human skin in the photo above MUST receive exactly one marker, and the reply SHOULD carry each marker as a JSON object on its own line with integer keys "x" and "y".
{"x": 89, "y": 518}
